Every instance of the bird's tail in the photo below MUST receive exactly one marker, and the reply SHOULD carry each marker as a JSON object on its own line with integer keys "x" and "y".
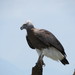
{"x": 64, "y": 61}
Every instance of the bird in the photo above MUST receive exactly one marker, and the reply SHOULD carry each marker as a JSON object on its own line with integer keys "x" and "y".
{"x": 45, "y": 43}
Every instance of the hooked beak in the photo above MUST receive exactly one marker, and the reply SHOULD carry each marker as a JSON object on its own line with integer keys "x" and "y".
{"x": 21, "y": 28}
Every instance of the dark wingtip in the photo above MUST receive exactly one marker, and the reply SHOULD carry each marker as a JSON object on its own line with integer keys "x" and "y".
{"x": 64, "y": 61}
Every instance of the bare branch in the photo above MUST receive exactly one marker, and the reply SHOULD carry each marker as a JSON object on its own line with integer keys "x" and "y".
{"x": 37, "y": 69}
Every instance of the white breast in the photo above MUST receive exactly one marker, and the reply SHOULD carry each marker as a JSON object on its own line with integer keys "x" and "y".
{"x": 52, "y": 53}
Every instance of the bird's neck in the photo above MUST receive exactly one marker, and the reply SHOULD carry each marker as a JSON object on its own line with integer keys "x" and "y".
{"x": 29, "y": 31}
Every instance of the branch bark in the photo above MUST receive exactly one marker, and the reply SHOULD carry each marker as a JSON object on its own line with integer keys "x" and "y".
{"x": 37, "y": 69}
{"x": 74, "y": 72}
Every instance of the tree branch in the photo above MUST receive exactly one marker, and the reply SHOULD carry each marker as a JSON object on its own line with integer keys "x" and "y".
{"x": 74, "y": 72}
{"x": 37, "y": 69}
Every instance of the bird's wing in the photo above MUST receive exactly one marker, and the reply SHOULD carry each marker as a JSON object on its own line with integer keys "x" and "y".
{"x": 29, "y": 43}
{"x": 49, "y": 39}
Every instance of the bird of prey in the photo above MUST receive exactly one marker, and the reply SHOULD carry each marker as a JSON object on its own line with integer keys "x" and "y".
{"x": 45, "y": 43}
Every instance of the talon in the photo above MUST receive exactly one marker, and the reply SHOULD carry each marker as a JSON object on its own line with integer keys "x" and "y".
{"x": 43, "y": 63}
{"x": 40, "y": 62}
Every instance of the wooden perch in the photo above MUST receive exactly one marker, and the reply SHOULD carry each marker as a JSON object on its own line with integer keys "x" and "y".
{"x": 74, "y": 72}
{"x": 37, "y": 69}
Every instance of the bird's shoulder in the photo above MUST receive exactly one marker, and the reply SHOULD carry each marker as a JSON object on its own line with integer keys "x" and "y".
{"x": 43, "y": 33}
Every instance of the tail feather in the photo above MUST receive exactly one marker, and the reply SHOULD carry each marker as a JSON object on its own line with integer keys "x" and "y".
{"x": 64, "y": 61}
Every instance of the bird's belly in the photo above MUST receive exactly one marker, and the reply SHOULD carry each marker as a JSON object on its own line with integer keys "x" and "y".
{"x": 52, "y": 53}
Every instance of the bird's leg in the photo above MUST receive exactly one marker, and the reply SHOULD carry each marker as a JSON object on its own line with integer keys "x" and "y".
{"x": 40, "y": 59}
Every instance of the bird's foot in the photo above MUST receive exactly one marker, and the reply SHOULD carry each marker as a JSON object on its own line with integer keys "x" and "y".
{"x": 41, "y": 62}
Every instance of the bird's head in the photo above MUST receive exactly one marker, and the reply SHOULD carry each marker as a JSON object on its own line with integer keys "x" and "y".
{"x": 27, "y": 25}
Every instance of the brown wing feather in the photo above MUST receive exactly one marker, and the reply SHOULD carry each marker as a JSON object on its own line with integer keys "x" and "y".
{"x": 49, "y": 39}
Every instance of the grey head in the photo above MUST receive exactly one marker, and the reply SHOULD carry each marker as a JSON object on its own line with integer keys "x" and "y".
{"x": 27, "y": 25}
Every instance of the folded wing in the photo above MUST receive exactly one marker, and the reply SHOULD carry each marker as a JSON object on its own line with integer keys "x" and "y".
{"x": 49, "y": 39}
